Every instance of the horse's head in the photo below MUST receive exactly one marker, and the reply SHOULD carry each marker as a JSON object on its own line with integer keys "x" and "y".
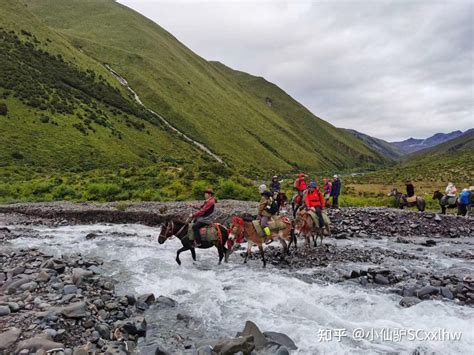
{"x": 167, "y": 231}
{"x": 301, "y": 220}
{"x": 394, "y": 192}
{"x": 236, "y": 229}
{"x": 437, "y": 195}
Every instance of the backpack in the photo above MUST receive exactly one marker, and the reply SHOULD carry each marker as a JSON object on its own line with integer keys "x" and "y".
{"x": 465, "y": 197}
{"x": 273, "y": 207}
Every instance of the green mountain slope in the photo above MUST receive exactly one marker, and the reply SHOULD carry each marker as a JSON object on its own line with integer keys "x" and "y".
{"x": 61, "y": 109}
{"x": 228, "y": 111}
{"x": 381, "y": 146}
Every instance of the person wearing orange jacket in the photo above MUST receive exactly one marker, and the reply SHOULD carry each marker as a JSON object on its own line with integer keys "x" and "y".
{"x": 314, "y": 200}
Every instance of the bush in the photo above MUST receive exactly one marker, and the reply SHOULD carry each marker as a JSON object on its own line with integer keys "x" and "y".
{"x": 102, "y": 192}
{"x": 44, "y": 119}
{"x": 197, "y": 188}
{"x": 3, "y": 109}
{"x": 229, "y": 189}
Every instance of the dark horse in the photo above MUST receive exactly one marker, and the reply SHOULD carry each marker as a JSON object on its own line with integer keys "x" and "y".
{"x": 401, "y": 202}
{"x": 439, "y": 196}
{"x": 180, "y": 230}
{"x": 281, "y": 200}
{"x": 296, "y": 203}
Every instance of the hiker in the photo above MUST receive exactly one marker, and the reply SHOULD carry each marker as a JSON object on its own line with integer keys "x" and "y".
{"x": 275, "y": 186}
{"x": 464, "y": 201}
{"x": 327, "y": 191}
{"x": 204, "y": 216}
{"x": 336, "y": 191}
{"x": 450, "y": 192}
{"x": 264, "y": 207}
{"x": 314, "y": 201}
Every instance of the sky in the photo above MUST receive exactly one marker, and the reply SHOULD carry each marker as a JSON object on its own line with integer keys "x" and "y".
{"x": 390, "y": 69}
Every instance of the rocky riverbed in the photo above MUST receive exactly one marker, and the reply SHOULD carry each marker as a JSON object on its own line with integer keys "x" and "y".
{"x": 405, "y": 269}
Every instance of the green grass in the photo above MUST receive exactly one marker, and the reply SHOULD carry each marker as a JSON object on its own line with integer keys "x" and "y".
{"x": 212, "y": 104}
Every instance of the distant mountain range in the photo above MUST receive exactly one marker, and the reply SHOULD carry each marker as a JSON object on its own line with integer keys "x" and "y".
{"x": 412, "y": 145}
{"x": 397, "y": 150}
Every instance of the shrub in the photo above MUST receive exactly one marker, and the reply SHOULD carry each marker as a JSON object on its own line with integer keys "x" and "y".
{"x": 102, "y": 192}
{"x": 198, "y": 187}
{"x": 229, "y": 189}
{"x": 3, "y": 109}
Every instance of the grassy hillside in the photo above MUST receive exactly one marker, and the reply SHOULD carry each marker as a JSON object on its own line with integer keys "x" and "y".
{"x": 383, "y": 147}
{"x": 226, "y": 110}
{"x": 61, "y": 109}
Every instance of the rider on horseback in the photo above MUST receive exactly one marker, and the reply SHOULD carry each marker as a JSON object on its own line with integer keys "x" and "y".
{"x": 314, "y": 201}
{"x": 204, "y": 216}
{"x": 300, "y": 186}
{"x": 450, "y": 193}
{"x": 264, "y": 207}
{"x": 275, "y": 186}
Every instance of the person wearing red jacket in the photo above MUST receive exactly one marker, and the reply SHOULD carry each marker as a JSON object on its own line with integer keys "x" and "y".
{"x": 314, "y": 200}
{"x": 300, "y": 187}
{"x": 204, "y": 216}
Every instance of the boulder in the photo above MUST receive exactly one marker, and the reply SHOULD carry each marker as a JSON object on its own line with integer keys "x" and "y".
{"x": 4, "y": 311}
{"x": 38, "y": 343}
{"x": 75, "y": 310}
{"x": 446, "y": 293}
{"x": 409, "y": 301}
{"x": 166, "y": 301}
{"x": 252, "y": 329}
{"x": 43, "y": 276}
{"x": 78, "y": 275}
{"x": 281, "y": 339}
{"x": 8, "y": 338}
{"x": 244, "y": 344}
{"x": 381, "y": 280}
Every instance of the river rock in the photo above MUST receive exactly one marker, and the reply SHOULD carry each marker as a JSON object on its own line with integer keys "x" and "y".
{"x": 9, "y": 337}
{"x": 69, "y": 289}
{"x": 244, "y": 344}
{"x": 252, "y": 329}
{"x": 43, "y": 276}
{"x": 446, "y": 293}
{"x": 75, "y": 310}
{"x": 4, "y": 311}
{"x": 381, "y": 280}
{"x": 166, "y": 301}
{"x": 104, "y": 330}
{"x": 38, "y": 343}
{"x": 281, "y": 339}
{"x": 78, "y": 275}
{"x": 54, "y": 264}
{"x": 409, "y": 301}
{"x": 427, "y": 291}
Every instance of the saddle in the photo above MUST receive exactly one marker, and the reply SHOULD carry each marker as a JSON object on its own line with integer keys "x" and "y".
{"x": 274, "y": 224}
{"x": 451, "y": 200}
{"x": 412, "y": 199}
{"x": 315, "y": 218}
{"x": 208, "y": 233}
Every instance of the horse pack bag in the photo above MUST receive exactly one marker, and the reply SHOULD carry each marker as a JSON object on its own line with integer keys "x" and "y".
{"x": 208, "y": 233}
{"x": 411, "y": 199}
{"x": 315, "y": 218}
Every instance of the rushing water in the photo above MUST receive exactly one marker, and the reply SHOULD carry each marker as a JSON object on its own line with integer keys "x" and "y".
{"x": 225, "y": 296}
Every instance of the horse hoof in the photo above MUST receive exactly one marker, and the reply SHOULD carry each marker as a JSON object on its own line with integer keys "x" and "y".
{"x": 178, "y": 261}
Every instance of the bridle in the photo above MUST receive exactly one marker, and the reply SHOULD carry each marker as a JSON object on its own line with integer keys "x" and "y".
{"x": 237, "y": 222}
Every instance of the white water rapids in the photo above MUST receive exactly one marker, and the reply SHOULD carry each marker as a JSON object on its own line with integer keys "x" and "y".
{"x": 225, "y": 296}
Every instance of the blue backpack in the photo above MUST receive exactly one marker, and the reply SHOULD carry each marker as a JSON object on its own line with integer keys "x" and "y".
{"x": 465, "y": 197}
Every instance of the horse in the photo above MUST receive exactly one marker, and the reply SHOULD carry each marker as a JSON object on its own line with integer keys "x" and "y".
{"x": 401, "y": 202}
{"x": 296, "y": 203}
{"x": 281, "y": 200}
{"x": 305, "y": 225}
{"x": 243, "y": 228}
{"x": 437, "y": 195}
{"x": 180, "y": 230}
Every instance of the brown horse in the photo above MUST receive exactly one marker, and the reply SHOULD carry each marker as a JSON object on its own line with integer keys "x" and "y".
{"x": 305, "y": 225}
{"x": 180, "y": 230}
{"x": 401, "y": 201}
{"x": 444, "y": 203}
{"x": 241, "y": 228}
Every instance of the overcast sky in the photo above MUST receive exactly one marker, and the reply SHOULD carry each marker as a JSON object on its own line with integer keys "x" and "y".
{"x": 391, "y": 69}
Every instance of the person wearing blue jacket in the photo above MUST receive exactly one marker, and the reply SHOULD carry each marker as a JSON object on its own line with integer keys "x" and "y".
{"x": 464, "y": 202}
{"x": 336, "y": 191}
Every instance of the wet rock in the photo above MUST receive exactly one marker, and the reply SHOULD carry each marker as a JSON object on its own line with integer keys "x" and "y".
{"x": 144, "y": 301}
{"x": 43, "y": 276}
{"x": 166, "y": 301}
{"x": 54, "y": 264}
{"x": 381, "y": 280}
{"x": 91, "y": 236}
{"x": 75, "y": 310}
{"x": 131, "y": 299}
{"x": 243, "y": 344}
{"x": 427, "y": 291}
{"x": 38, "y": 343}
{"x": 252, "y": 329}
{"x": 446, "y": 293}
{"x": 8, "y": 337}
{"x": 354, "y": 274}
{"x": 409, "y": 301}
{"x": 281, "y": 339}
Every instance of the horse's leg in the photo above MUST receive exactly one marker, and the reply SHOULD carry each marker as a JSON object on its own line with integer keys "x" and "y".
{"x": 293, "y": 238}
{"x": 260, "y": 247}
{"x": 184, "y": 248}
{"x": 249, "y": 248}
{"x": 220, "y": 249}
{"x": 443, "y": 209}
{"x": 193, "y": 253}
{"x": 285, "y": 247}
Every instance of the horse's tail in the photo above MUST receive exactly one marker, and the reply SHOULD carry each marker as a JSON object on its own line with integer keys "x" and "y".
{"x": 223, "y": 231}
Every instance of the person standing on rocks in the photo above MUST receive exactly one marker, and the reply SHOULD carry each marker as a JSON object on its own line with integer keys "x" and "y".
{"x": 336, "y": 191}
{"x": 327, "y": 191}
{"x": 204, "y": 216}
{"x": 464, "y": 201}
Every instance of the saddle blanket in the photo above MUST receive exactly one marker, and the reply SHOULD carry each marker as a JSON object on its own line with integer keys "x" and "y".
{"x": 315, "y": 218}
{"x": 274, "y": 225}
{"x": 209, "y": 233}
{"x": 411, "y": 199}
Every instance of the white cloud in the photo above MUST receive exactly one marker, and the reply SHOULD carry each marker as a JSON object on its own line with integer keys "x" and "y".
{"x": 392, "y": 69}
